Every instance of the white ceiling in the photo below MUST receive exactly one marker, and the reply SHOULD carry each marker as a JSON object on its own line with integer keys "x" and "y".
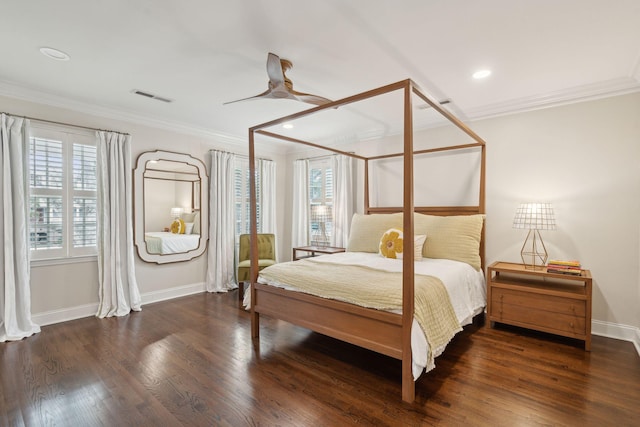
{"x": 202, "y": 53}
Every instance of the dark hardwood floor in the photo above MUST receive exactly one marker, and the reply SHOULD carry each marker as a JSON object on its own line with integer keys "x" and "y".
{"x": 190, "y": 361}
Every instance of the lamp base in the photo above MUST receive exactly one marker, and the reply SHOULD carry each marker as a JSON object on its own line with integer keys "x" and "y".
{"x": 534, "y": 257}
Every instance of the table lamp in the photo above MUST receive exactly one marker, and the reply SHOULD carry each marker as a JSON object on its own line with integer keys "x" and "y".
{"x": 321, "y": 215}
{"x": 534, "y": 217}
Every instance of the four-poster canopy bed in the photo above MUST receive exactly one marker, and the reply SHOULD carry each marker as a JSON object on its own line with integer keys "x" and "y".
{"x": 382, "y": 331}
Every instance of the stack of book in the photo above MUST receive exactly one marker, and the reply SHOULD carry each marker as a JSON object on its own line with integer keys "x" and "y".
{"x": 564, "y": 267}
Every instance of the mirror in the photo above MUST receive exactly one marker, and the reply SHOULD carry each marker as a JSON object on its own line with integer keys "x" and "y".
{"x": 170, "y": 187}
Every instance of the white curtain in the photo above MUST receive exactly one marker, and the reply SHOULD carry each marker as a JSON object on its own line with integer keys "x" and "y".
{"x": 118, "y": 288}
{"x": 221, "y": 275}
{"x": 300, "y": 214}
{"x": 15, "y": 292}
{"x": 267, "y": 173}
{"x": 343, "y": 199}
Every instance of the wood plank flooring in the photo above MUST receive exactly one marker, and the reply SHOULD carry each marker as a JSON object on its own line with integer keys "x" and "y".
{"x": 191, "y": 361}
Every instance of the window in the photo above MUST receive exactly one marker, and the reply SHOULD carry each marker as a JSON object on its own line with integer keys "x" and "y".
{"x": 63, "y": 185}
{"x": 242, "y": 193}
{"x": 320, "y": 201}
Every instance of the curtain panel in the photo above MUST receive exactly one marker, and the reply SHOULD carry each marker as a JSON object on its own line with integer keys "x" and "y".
{"x": 15, "y": 291}
{"x": 344, "y": 200}
{"x": 118, "y": 288}
{"x": 267, "y": 171}
{"x": 221, "y": 267}
{"x": 300, "y": 214}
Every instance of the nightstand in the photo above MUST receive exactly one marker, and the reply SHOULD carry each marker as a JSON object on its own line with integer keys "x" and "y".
{"x": 535, "y": 299}
{"x": 314, "y": 251}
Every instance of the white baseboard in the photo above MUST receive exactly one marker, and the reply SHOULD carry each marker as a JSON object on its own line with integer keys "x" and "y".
{"x": 166, "y": 294}
{"x": 64, "y": 314}
{"x": 617, "y": 331}
{"x": 88, "y": 310}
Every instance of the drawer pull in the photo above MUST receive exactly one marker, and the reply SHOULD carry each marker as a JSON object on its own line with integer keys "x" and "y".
{"x": 571, "y": 324}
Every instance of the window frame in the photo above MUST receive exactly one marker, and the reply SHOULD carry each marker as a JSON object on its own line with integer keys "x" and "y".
{"x": 326, "y": 198}
{"x": 242, "y": 225}
{"x": 69, "y": 138}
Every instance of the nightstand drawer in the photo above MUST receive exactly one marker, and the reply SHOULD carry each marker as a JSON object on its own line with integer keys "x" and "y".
{"x": 540, "y": 319}
{"x": 528, "y": 300}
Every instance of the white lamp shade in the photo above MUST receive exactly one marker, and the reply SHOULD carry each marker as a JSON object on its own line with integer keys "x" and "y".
{"x": 176, "y": 212}
{"x": 535, "y": 216}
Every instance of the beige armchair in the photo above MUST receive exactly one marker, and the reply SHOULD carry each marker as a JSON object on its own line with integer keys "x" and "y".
{"x": 266, "y": 257}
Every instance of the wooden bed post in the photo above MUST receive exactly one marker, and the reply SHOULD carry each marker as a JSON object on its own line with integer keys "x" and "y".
{"x": 481, "y": 202}
{"x": 408, "y": 265}
{"x": 366, "y": 185}
{"x": 253, "y": 272}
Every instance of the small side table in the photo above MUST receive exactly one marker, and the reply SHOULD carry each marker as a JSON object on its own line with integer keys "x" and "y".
{"x": 314, "y": 251}
{"x": 536, "y": 299}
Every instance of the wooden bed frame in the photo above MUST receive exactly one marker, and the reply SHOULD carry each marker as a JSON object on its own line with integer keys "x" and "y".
{"x": 376, "y": 330}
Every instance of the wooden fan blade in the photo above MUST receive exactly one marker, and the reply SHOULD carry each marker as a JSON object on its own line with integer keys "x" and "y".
{"x": 310, "y": 99}
{"x": 265, "y": 94}
{"x": 274, "y": 70}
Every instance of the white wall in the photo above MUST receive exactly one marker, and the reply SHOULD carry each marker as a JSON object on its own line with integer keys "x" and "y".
{"x": 69, "y": 290}
{"x": 584, "y": 158}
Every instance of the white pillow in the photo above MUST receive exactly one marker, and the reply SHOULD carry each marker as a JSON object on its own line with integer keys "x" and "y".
{"x": 196, "y": 223}
{"x": 188, "y": 227}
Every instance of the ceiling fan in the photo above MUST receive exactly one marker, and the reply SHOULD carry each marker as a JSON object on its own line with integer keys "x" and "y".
{"x": 281, "y": 87}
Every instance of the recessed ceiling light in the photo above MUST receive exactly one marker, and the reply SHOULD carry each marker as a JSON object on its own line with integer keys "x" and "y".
{"x": 288, "y": 125}
{"x": 56, "y": 54}
{"x": 481, "y": 74}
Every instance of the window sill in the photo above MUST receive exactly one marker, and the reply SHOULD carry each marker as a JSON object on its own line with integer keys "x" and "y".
{"x": 61, "y": 261}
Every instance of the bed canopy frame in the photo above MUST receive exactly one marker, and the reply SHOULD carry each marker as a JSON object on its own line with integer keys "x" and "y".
{"x": 383, "y": 332}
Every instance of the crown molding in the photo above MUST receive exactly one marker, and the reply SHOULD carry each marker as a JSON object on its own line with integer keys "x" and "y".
{"x": 605, "y": 89}
{"x": 614, "y": 87}
{"x": 13, "y": 90}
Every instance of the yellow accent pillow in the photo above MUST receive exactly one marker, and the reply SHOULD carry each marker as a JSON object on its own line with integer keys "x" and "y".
{"x": 178, "y": 227}
{"x": 391, "y": 244}
{"x": 451, "y": 237}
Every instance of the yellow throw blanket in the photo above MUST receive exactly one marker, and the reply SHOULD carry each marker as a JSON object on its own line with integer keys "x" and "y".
{"x": 368, "y": 287}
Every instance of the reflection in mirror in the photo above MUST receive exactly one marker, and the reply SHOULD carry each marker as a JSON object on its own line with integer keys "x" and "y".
{"x": 170, "y": 207}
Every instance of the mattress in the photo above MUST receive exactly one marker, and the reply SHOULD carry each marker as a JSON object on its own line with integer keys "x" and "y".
{"x": 160, "y": 242}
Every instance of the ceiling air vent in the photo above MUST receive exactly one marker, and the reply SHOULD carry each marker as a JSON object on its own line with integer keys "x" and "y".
{"x": 425, "y": 106}
{"x": 150, "y": 95}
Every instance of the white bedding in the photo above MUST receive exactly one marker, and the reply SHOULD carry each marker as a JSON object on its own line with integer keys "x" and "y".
{"x": 160, "y": 242}
{"x": 465, "y": 285}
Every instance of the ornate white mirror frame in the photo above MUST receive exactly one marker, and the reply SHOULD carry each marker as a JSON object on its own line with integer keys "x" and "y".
{"x": 199, "y": 204}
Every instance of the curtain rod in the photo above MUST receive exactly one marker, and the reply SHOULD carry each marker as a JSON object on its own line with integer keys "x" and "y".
{"x": 323, "y": 156}
{"x": 244, "y": 156}
{"x": 64, "y": 124}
